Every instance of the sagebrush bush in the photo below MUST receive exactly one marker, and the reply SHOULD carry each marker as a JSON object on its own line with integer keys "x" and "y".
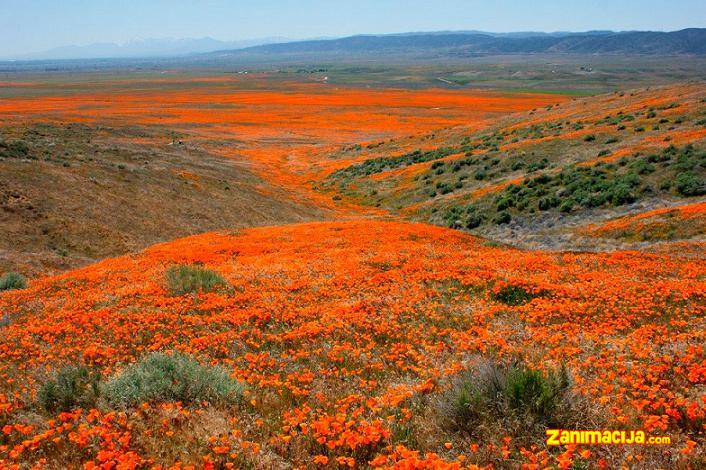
{"x": 184, "y": 279}
{"x": 513, "y": 399}
{"x": 161, "y": 377}
{"x": 72, "y": 387}
{"x": 12, "y": 280}
{"x": 688, "y": 184}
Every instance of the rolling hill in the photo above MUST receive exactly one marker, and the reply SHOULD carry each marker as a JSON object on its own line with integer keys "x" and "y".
{"x": 534, "y": 178}
{"x": 351, "y": 338}
{"x": 72, "y": 194}
{"x": 379, "y": 318}
{"x": 688, "y": 41}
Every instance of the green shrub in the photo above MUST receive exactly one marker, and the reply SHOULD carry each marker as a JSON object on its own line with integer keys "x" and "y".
{"x": 622, "y": 194}
{"x": 72, "y": 387}
{"x": 688, "y": 184}
{"x": 567, "y": 205}
{"x": 12, "y": 280}
{"x": 532, "y": 391}
{"x": 503, "y": 218}
{"x": 474, "y": 221}
{"x": 540, "y": 165}
{"x": 184, "y": 279}
{"x": 162, "y": 377}
{"x": 513, "y": 295}
{"x": 515, "y": 400}
{"x": 444, "y": 188}
{"x": 470, "y": 402}
{"x": 377, "y": 165}
{"x": 547, "y": 203}
{"x": 597, "y": 200}
{"x": 642, "y": 167}
{"x": 15, "y": 149}
{"x": 503, "y": 203}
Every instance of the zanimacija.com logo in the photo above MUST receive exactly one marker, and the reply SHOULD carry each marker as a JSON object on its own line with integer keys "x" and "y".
{"x": 558, "y": 437}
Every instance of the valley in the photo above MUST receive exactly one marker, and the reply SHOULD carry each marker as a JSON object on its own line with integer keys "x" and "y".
{"x": 285, "y": 270}
{"x": 151, "y": 159}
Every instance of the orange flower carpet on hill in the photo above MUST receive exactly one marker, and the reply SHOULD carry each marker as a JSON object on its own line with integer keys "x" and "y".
{"x": 339, "y": 330}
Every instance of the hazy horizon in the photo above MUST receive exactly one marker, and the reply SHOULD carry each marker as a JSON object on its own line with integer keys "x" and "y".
{"x": 37, "y": 26}
{"x": 141, "y": 47}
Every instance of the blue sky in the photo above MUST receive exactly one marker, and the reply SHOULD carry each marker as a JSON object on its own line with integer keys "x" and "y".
{"x": 35, "y": 25}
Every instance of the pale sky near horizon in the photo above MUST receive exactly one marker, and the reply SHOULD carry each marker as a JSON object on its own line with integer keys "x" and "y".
{"x": 37, "y": 25}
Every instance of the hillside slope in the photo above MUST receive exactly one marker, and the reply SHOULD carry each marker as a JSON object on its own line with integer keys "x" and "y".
{"x": 530, "y": 179}
{"x": 350, "y": 337}
{"x": 71, "y": 194}
{"x": 686, "y": 41}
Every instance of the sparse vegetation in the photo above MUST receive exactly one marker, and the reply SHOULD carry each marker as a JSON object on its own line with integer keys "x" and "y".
{"x": 377, "y": 165}
{"x": 175, "y": 192}
{"x": 596, "y": 186}
{"x": 16, "y": 149}
{"x": 186, "y": 279}
{"x": 529, "y": 182}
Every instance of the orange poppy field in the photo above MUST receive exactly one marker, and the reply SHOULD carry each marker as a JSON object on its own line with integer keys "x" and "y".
{"x": 282, "y": 129}
{"x": 348, "y": 332}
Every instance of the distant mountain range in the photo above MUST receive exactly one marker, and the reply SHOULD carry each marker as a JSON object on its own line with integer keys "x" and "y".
{"x": 145, "y": 48}
{"x": 687, "y": 41}
{"x": 456, "y": 44}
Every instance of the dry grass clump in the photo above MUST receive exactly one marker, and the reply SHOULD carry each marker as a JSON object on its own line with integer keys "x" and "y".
{"x": 72, "y": 387}
{"x": 494, "y": 399}
{"x": 184, "y": 279}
